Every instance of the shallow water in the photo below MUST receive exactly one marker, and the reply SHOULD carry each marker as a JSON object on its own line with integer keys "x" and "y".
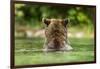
{"x": 28, "y": 51}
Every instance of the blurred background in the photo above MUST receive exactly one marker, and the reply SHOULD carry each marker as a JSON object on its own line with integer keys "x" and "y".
{"x": 30, "y": 37}
{"x": 29, "y": 18}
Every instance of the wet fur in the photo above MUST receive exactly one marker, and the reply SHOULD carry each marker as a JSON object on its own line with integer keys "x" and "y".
{"x": 56, "y": 35}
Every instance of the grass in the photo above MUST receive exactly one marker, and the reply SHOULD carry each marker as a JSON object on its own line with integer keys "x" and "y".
{"x": 25, "y": 54}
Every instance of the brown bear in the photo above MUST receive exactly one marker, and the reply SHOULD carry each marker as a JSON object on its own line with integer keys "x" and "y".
{"x": 56, "y": 35}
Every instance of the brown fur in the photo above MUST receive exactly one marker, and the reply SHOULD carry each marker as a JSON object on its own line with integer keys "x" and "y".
{"x": 56, "y": 35}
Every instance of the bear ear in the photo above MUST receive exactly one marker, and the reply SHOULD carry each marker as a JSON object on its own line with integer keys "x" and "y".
{"x": 46, "y": 21}
{"x": 66, "y": 21}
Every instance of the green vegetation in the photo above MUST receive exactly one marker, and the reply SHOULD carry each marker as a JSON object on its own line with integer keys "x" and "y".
{"x": 32, "y": 14}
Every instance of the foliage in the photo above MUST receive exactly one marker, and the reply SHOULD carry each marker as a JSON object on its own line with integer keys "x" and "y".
{"x": 26, "y": 14}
